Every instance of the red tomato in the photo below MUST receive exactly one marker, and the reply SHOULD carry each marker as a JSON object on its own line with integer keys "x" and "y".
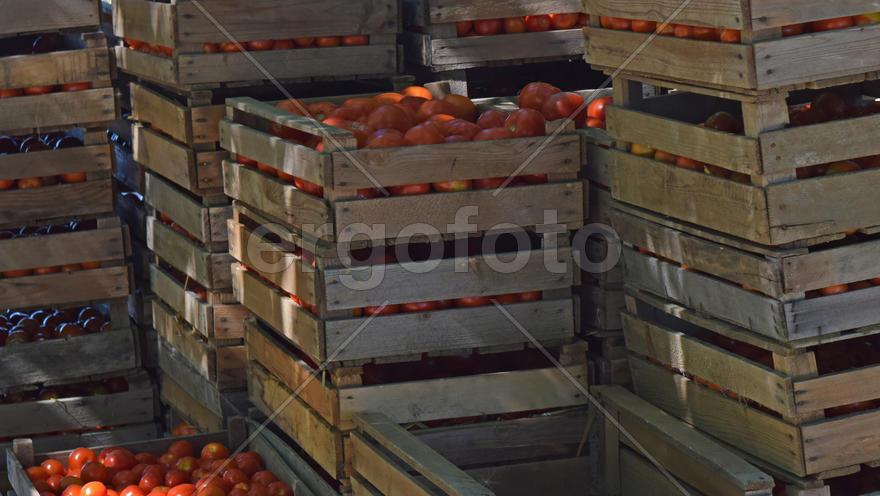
{"x": 489, "y": 183}
{"x": 564, "y": 106}
{"x": 619, "y": 23}
{"x": 792, "y": 30}
{"x": 94, "y": 471}
{"x": 731, "y": 36}
{"x": 328, "y": 41}
{"x": 181, "y": 490}
{"x": 564, "y": 21}
{"x": 667, "y": 29}
{"x": 123, "y": 479}
{"x": 410, "y": 189}
{"x": 423, "y": 134}
{"x": 508, "y": 298}
{"x": 486, "y": 27}
{"x": 474, "y": 301}
{"x": 706, "y": 34}
{"x": 463, "y": 27}
{"x": 530, "y": 296}
{"x": 434, "y": 107}
{"x": 355, "y": 40}
{"x": 72, "y": 490}
{"x": 596, "y": 110}
{"x": 210, "y": 48}
{"x": 248, "y": 462}
{"x": 494, "y": 133}
{"x": 7, "y": 93}
{"x": 832, "y": 24}
{"x": 526, "y": 123}
{"x": 279, "y": 488}
{"x": 534, "y": 95}
{"x": 132, "y": 490}
{"x": 514, "y": 25}
{"x": 149, "y": 481}
{"x": 596, "y": 123}
{"x": 76, "y": 86}
{"x": 234, "y": 476}
{"x": 230, "y": 47}
{"x": 80, "y": 457}
{"x": 538, "y": 23}
{"x": 461, "y": 127}
{"x": 491, "y": 119}
{"x": 390, "y": 117}
{"x": 54, "y": 481}
{"x": 307, "y": 187}
{"x": 259, "y": 46}
{"x": 684, "y": 31}
{"x": 386, "y": 310}
{"x": 451, "y": 186}
{"x": 265, "y": 477}
{"x": 37, "y": 472}
{"x": 639, "y": 26}
{"x": 176, "y": 477}
{"x": 283, "y": 45}
{"x": 304, "y": 42}
{"x": 168, "y": 459}
{"x": 535, "y": 178}
{"x": 385, "y": 138}
{"x": 38, "y": 90}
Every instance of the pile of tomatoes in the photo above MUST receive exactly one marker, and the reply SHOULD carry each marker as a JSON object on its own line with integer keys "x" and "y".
{"x": 414, "y": 117}
{"x": 24, "y": 144}
{"x": 43, "y": 325}
{"x": 107, "y": 386}
{"x": 257, "y": 46}
{"x": 514, "y": 25}
{"x": 733, "y": 35}
{"x": 117, "y": 471}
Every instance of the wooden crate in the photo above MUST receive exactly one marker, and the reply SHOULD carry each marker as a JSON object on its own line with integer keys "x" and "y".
{"x": 193, "y": 170}
{"x": 322, "y": 411}
{"x": 539, "y": 455}
{"x": 335, "y": 218}
{"x": 89, "y": 60}
{"x": 767, "y": 399}
{"x": 221, "y": 362}
{"x": 77, "y": 413}
{"x": 31, "y": 17}
{"x": 140, "y": 308}
{"x": 764, "y": 60}
{"x": 286, "y": 464}
{"x": 190, "y": 118}
{"x": 128, "y": 173}
{"x": 769, "y": 292}
{"x": 210, "y": 269}
{"x": 699, "y": 464}
{"x": 265, "y": 291}
{"x": 204, "y": 217}
{"x": 183, "y": 27}
{"x": 773, "y": 207}
{"x": 431, "y": 39}
{"x": 183, "y": 406}
{"x": 609, "y": 357}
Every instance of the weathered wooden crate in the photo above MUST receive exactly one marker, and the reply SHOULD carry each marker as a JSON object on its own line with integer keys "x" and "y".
{"x": 538, "y": 455}
{"x": 763, "y": 61}
{"x": 322, "y": 410}
{"x": 221, "y": 362}
{"x": 332, "y": 288}
{"x": 204, "y": 217}
{"x": 699, "y": 464}
{"x": 286, "y": 464}
{"x": 210, "y": 269}
{"x": 78, "y": 413}
{"x": 768, "y": 400}
{"x": 87, "y": 61}
{"x": 190, "y": 118}
{"x": 192, "y": 169}
{"x": 41, "y": 16}
{"x": 431, "y": 39}
{"x": 765, "y": 291}
{"x": 773, "y": 207}
{"x": 343, "y": 171}
{"x": 183, "y": 27}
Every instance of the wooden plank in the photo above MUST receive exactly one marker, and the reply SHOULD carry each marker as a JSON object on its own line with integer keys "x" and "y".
{"x": 426, "y": 461}
{"x": 101, "y": 353}
{"x": 841, "y": 442}
{"x": 145, "y": 21}
{"x": 464, "y": 10}
{"x": 826, "y": 391}
{"x": 382, "y": 472}
{"x": 65, "y": 287}
{"x": 831, "y": 314}
{"x": 147, "y": 65}
{"x": 297, "y": 160}
{"x": 709, "y": 201}
{"x": 522, "y": 207}
{"x": 173, "y": 161}
{"x": 44, "y": 69}
{"x": 29, "y": 206}
{"x": 173, "y": 364}
{"x": 58, "y": 109}
{"x": 29, "y": 17}
{"x": 689, "y": 60}
{"x": 276, "y": 452}
{"x": 17, "y": 476}
{"x": 752, "y": 431}
{"x": 752, "y": 380}
{"x": 148, "y": 106}
{"x": 284, "y": 19}
{"x": 820, "y": 269}
{"x": 178, "y": 398}
{"x": 98, "y": 245}
{"x": 480, "y": 49}
{"x": 789, "y": 148}
{"x": 713, "y": 13}
{"x": 562, "y": 476}
{"x": 198, "y": 355}
{"x": 643, "y": 478}
{"x": 773, "y": 13}
{"x": 48, "y": 163}
{"x": 194, "y": 217}
{"x": 208, "y": 269}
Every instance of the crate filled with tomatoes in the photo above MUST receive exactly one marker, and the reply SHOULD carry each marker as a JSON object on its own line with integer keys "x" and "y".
{"x": 178, "y": 44}
{"x": 375, "y": 166}
{"x": 795, "y": 167}
{"x": 175, "y": 466}
{"x": 21, "y": 18}
{"x": 435, "y": 391}
{"x": 733, "y": 44}
{"x": 461, "y": 34}
{"x": 807, "y": 409}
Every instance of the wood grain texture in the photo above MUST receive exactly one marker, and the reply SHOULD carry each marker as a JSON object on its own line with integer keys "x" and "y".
{"x": 173, "y": 364}
{"x": 381, "y": 471}
{"x": 792, "y": 148}
{"x": 297, "y": 160}
{"x": 100, "y": 245}
{"x": 85, "y": 199}
{"x": 196, "y": 218}
{"x": 642, "y": 477}
{"x": 834, "y": 313}
{"x": 146, "y": 65}
{"x": 68, "y": 66}
{"x": 150, "y": 107}
{"x": 30, "y": 17}
{"x": 183, "y": 403}
{"x": 842, "y": 442}
{"x": 772, "y": 13}
{"x": 832, "y": 390}
{"x": 752, "y": 431}
{"x": 208, "y": 269}
{"x": 143, "y": 20}
{"x": 65, "y": 287}
{"x": 713, "y": 13}
{"x": 468, "y": 51}
{"x": 58, "y": 109}
{"x": 101, "y": 353}
{"x": 440, "y": 11}
{"x": 48, "y": 163}
{"x": 172, "y": 160}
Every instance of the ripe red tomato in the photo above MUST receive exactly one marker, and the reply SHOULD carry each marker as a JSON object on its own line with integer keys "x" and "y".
{"x": 283, "y": 45}
{"x": 461, "y": 127}
{"x": 181, "y": 449}
{"x": 596, "y": 110}
{"x": 494, "y": 133}
{"x": 731, "y": 36}
{"x": 233, "y": 476}
{"x": 53, "y": 467}
{"x": 120, "y": 459}
{"x": 640, "y": 26}
{"x": 259, "y": 46}
{"x": 307, "y": 187}
{"x": 176, "y": 477}
{"x": 132, "y": 490}
{"x": 423, "y": 134}
{"x": 94, "y": 471}
{"x": 526, "y": 123}
{"x": 266, "y": 477}
{"x": 385, "y": 138}
{"x": 76, "y": 86}
{"x": 489, "y": 183}
{"x": 279, "y": 488}
{"x": 564, "y": 106}
{"x": 328, "y": 41}
{"x": 463, "y": 27}
{"x": 534, "y": 95}
{"x": 530, "y": 296}
{"x": 356, "y": 40}
{"x": 410, "y": 189}
{"x": 617, "y": 23}
{"x": 79, "y": 457}
{"x": 123, "y": 479}
{"x": 147, "y": 458}
{"x": 248, "y": 463}
{"x": 792, "y": 30}
{"x": 168, "y": 459}
{"x": 538, "y": 23}
{"x": 390, "y": 117}
{"x": 706, "y": 34}
{"x": 181, "y": 490}
{"x": 514, "y": 25}
{"x": 486, "y": 27}
{"x": 37, "y": 472}
{"x": 832, "y": 24}
{"x": 452, "y": 186}
{"x": 72, "y": 490}
{"x": 564, "y": 21}
{"x": 229, "y": 47}
{"x": 474, "y": 301}
{"x": 7, "y": 93}
{"x": 149, "y": 481}
{"x": 38, "y": 90}
{"x": 434, "y": 107}
{"x": 491, "y": 119}
{"x": 210, "y": 48}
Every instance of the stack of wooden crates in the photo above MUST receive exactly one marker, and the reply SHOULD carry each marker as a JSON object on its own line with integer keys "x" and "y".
{"x": 318, "y": 356}
{"x": 63, "y": 249}
{"x": 178, "y": 68}
{"x": 751, "y": 289}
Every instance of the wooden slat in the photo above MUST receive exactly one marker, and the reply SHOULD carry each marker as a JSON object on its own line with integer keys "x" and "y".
{"x": 172, "y": 160}
{"x": 771, "y": 13}
{"x": 713, "y": 13}
{"x": 839, "y": 389}
{"x": 842, "y": 442}
{"x": 426, "y": 461}
{"x": 297, "y": 160}
{"x": 99, "y": 245}
{"x": 173, "y": 364}
{"x": 208, "y": 269}
{"x": 762, "y": 435}
{"x": 831, "y": 314}
{"x": 641, "y": 477}
{"x": 33, "y": 205}
{"x": 754, "y": 381}
{"x": 382, "y": 472}
{"x": 146, "y": 65}
{"x": 31, "y": 17}
{"x": 68, "y": 66}
{"x": 150, "y": 107}
{"x": 792, "y": 148}
{"x": 198, "y": 355}
{"x": 195, "y": 218}
{"x": 144, "y": 20}
{"x": 464, "y": 10}
{"x": 174, "y": 395}
{"x": 467, "y": 51}
{"x": 49, "y": 163}
{"x": 58, "y": 109}
{"x": 65, "y": 287}
{"x": 18, "y": 478}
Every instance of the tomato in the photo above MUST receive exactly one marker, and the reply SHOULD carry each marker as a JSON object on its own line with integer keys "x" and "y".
{"x": 94, "y": 471}
{"x": 70, "y": 480}
{"x": 707, "y": 34}
{"x": 181, "y": 449}
{"x": 526, "y": 123}
{"x": 423, "y": 134}
{"x": 237, "y": 491}
{"x": 234, "y": 476}
{"x": 187, "y": 463}
{"x": 355, "y": 40}
{"x": 639, "y": 26}
{"x": 279, "y": 488}
{"x": 534, "y": 95}
{"x": 38, "y": 90}
{"x": 283, "y": 45}
{"x": 489, "y": 183}
{"x": 832, "y": 24}
{"x": 93, "y": 489}
{"x": 7, "y": 93}
{"x": 662, "y": 156}
{"x": 508, "y": 298}
{"x": 792, "y": 30}
{"x": 304, "y": 42}
{"x": 461, "y": 107}
{"x": 564, "y": 21}
{"x": 76, "y": 86}
{"x": 667, "y": 29}
{"x": 451, "y": 186}
{"x": 328, "y": 41}
{"x": 259, "y": 46}
{"x": 266, "y": 477}
{"x": 389, "y": 117}
{"x": 309, "y": 188}
{"x": 432, "y": 107}
{"x": 619, "y": 23}
{"x": 596, "y": 110}
{"x": 149, "y": 481}
{"x": 474, "y": 301}
{"x": 871, "y": 162}
{"x": 691, "y": 164}
{"x": 119, "y": 458}
{"x": 132, "y": 490}
{"x": 37, "y": 472}
{"x": 388, "y": 98}
{"x": 731, "y": 36}
{"x": 684, "y": 31}
{"x": 538, "y": 23}
{"x": 439, "y": 121}
{"x": 534, "y": 178}
{"x": 54, "y": 481}
{"x": 80, "y": 457}
{"x": 514, "y": 25}
{"x": 321, "y": 110}
{"x": 724, "y": 121}
{"x": 210, "y": 48}
{"x": 159, "y": 491}
{"x": 247, "y": 463}
{"x": 418, "y": 92}
{"x": 230, "y": 47}
{"x": 530, "y": 296}
{"x": 494, "y": 133}
{"x": 491, "y": 119}
{"x": 145, "y": 458}
{"x": 461, "y": 127}
{"x": 385, "y": 138}
{"x": 833, "y": 290}
{"x": 842, "y": 167}
{"x": 123, "y": 479}
{"x": 486, "y": 27}
{"x": 463, "y": 27}
{"x": 72, "y": 490}
{"x": 410, "y": 189}
{"x": 176, "y": 477}
{"x": 564, "y": 106}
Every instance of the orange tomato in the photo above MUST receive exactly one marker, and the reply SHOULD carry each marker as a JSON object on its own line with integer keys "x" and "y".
{"x": 260, "y": 45}
{"x": 731, "y": 36}
{"x": 355, "y": 40}
{"x": 688, "y": 163}
{"x": 210, "y": 48}
{"x": 665, "y": 157}
{"x": 29, "y": 182}
{"x": 463, "y": 27}
{"x": 328, "y": 41}
{"x": 38, "y": 90}
{"x": 386, "y": 138}
{"x": 564, "y": 21}
{"x": 94, "y": 489}
{"x": 707, "y": 34}
{"x": 619, "y": 23}
{"x": 514, "y": 25}
{"x": 389, "y": 117}
{"x": 417, "y": 91}
{"x": 644, "y": 26}
{"x": 488, "y": 27}
{"x": 423, "y": 134}
{"x": 462, "y": 107}
{"x": 833, "y": 290}
{"x": 37, "y": 472}
{"x": 76, "y": 86}
{"x": 283, "y": 45}
{"x": 684, "y": 31}
{"x": 433, "y": 107}
{"x": 538, "y": 23}
{"x": 11, "y": 92}
{"x": 73, "y": 177}
{"x": 832, "y": 24}
{"x": 388, "y": 98}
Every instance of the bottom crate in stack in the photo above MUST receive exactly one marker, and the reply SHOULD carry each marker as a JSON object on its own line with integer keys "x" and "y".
{"x": 321, "y": 414}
